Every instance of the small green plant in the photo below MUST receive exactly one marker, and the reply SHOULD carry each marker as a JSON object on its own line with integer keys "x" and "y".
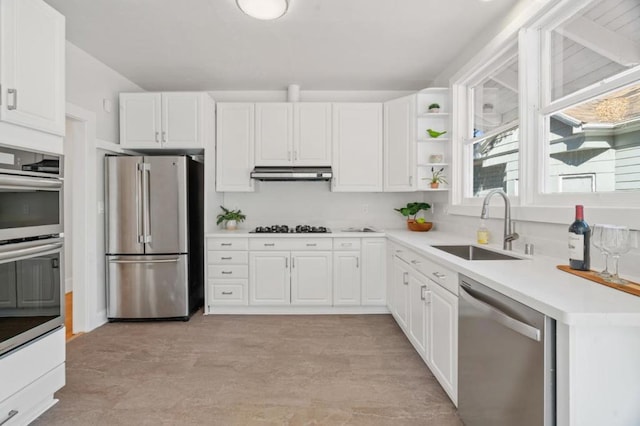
{"x": 437, "y": 176}
{"x": 412, "y": 209}
{"x": 227, "y": 215}
{"x": 434, "y": 106}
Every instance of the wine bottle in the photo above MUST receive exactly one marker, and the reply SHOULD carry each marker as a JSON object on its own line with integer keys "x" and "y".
{"x": 579, "y": 242}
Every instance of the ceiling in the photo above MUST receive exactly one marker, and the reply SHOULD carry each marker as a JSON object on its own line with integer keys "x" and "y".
{"x": 318, "y": 44}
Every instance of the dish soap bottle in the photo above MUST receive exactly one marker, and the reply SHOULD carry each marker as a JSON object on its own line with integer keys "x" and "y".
{"x": 483, "y": 233}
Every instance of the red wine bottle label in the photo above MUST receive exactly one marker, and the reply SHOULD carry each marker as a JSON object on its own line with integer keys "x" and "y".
{"x": 576, "y": 246}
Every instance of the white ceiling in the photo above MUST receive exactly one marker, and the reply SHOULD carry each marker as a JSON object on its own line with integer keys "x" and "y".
{"x": 319, "y": 44}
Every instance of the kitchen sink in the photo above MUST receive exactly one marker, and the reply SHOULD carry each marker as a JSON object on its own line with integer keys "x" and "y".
{"x": 469, "y": 252}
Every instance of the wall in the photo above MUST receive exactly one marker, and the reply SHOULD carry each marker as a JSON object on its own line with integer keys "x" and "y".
{"x": 309, "y": 95}
{"x": 89, "y": 82}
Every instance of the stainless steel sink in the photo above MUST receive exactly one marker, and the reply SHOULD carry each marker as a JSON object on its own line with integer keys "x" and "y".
{"x": 469, "y": 252}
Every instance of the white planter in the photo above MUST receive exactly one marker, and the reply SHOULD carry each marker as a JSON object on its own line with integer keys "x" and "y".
{"x": 231, "y": 225}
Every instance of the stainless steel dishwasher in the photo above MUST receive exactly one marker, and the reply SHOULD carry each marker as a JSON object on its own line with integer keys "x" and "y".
{"x": 506, "y": 364}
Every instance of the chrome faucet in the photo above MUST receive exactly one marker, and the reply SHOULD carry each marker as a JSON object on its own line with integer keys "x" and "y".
{"x": 509, "y": 235}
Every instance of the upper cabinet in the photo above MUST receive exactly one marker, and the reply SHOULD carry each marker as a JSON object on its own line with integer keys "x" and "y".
{"x": 173, "y": 120}
{"x": 234, "y": 147}
{"x": 400, "y": 145}
{"x": 293, "y": 134}
{"x": 357, "y": 147}
{"x": 32, "y": 65}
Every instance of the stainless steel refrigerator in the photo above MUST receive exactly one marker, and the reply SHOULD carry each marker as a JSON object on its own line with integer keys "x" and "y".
{"x": 154, "y": 237}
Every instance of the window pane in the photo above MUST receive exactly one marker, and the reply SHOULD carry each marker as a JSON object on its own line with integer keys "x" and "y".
{"x": 495, "y": 163}
{"x": 595, "y": 146}
{"x": 495, "y": 100}
{"x": 599, "y": 42}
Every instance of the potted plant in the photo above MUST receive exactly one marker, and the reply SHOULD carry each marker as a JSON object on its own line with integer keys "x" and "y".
{"x": 231, "y": 218}
{"x": 434, "y": 107}
{"x": 437, "y": 177}
{"x": 410, "y": 211}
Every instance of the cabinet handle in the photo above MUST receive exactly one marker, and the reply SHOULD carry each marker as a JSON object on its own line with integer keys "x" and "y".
{"x": 13, "y": 105}
{"x": 164, "y": 136}
{"x": 410, "y": 180}
{"x": 227, "y": 293}
{"x": 415, "y": 262}
{"x": 157, "y": 137}
{"x": 405, "y": 278}
{"x": 286, "y": 263}
{"x": 423, "y": 288}
{"x": 226, "y": 244}
{"x": 10, "y": 415}
{"x": 438, "y": 275}
{"x": 269, "y": 244}
{"x": 226, "y": 258}
{"x": 346, "y": 244}
{"x": 293, "y": 262}
{"x": 311, "y": 244}
{"x": 357, "y": 262}
{"x": 398, "y": 251}
{"x": 227, "y": 272}
{"x": 295, "y": 155}
{"x": 288, "y": 155}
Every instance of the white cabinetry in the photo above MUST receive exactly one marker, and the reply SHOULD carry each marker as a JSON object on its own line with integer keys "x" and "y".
{"x": 293, "y": 134}
{"x": 227, "y": 272}
{"x": 234, "y": 147}
{"x": 32, "y": 59}
{"x": 374, "y": 272}
{"x": 400, "y": 145}
{"x": 401, "y": 293}
{"x": 311, "y": 278}
{"x": 170, "y": 120}
{"x": 269, "y": 278}
{"x": 346, "y": 272}
{"x": 418, "y": 312}
{"x": 357, "y": 147}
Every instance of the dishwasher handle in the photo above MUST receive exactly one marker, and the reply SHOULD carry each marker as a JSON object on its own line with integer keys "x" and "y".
{"x": 500, "y": 317}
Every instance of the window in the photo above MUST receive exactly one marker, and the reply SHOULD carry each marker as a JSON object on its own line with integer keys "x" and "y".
{"x": 495, "y": 134}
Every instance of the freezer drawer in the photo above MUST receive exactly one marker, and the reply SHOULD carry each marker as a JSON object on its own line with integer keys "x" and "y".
{"x": 142, "y": 287}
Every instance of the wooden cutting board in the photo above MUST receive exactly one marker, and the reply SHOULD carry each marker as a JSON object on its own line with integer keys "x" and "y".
{"x": 631, "y": 287}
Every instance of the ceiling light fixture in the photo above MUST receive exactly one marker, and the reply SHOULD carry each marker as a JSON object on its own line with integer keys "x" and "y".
{"x": 264, "y": 9}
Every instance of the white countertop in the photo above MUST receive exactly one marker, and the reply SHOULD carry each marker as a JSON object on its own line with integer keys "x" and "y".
{"x": 534, "y": 281}
{"x": 244, "y": 233}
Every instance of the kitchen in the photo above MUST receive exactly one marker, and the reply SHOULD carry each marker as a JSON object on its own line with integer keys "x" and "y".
{"x": 541, "y": 210}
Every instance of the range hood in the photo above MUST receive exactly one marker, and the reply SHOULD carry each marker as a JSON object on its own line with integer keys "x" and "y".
{"x": 292, "y": 173}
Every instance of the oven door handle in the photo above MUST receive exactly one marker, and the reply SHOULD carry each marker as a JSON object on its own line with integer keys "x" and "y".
{"x": 29, "y": 183}
{"x": 30, "y": 248}
{"x": 500, "y": 317}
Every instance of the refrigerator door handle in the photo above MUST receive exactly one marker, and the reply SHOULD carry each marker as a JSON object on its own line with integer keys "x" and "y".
{"x": 144, "y": 261}
{"x": 146, "y": 214}
{"x": 139, "y": 194}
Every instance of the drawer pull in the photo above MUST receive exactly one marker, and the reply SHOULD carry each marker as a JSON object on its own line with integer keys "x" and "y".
{"x": 346, "y": 244}
{"x": 226, "y": 244}
{"x": 357, "y": 262}
{"x": 11, "y": 415}
{"x": 311, "y": 244}
{"x": 415, "y": 262}
{"x": 226, "y": 258}
{"x": 405, "y": 278}
{"x": 227, "y": 272}
{"x": 269, "y": 244}
{"x": 438, "y": 275}
{"x": 227, "y": 293}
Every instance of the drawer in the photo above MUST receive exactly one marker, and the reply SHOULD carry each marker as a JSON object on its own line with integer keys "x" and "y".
{"x": 445, "y": 277}
{"x": 290, "y": 244}
{"x": 228, "y": 292}
{"x": 227, "y": 243}
{"x": 227, "y": 271}
{"x": 216, "y": 257}
{"x": 346, "y": 243}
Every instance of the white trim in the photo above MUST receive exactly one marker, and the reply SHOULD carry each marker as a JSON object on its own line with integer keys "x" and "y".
{"x": 296, "y": 310}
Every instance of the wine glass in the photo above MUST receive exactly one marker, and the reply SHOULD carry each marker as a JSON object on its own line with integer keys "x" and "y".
{"x": 618, "y": 240}
{"x": 597, "y": 233}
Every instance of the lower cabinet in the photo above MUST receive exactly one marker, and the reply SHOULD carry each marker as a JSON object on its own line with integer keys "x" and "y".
{"x": 418, "y": 312}
{"x": 442, "y": 350}
{"x": 401, "y": 293}
{"x": 283, "y": 278}
{"x": 374, "y": 283}
{"x": 346, "y": 278}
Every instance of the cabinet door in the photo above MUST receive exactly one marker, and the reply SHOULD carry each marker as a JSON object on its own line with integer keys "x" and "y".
{"x": 38, "y": 281}
{"x": 312, "y": 134}
{"x": 33, "y": 64}
{"x": 443, "y": 334}
{"x": 400, "y": 144}
{"x": 183, "y": 120}
{"x": 417, "y": 312}
{"x": 234, "y": 147}
{"x": 346, "y": 278}
{"x": 374, "y": 283}
{"x": 269, "y": 278}
{"x": 274, "y": 142}
{"x": 357, "y": 147}
{"x": 401, "y": 293}
{"x": 8, "y": 297}
{"x": 311, "y": 278}
{"x": 140, "y": 120}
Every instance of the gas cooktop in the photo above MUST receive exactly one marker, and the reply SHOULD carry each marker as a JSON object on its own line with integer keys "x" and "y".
{"x": 284, "y": 229}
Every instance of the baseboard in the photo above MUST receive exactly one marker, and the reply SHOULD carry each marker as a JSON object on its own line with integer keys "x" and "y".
{"x": 295, "y": 310}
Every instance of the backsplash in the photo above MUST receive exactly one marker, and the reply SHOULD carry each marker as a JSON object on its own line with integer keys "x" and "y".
{"x": 290, "y": 203}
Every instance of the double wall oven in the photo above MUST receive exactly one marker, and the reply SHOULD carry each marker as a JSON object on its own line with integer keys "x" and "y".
{"x": 31, "y": 243}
